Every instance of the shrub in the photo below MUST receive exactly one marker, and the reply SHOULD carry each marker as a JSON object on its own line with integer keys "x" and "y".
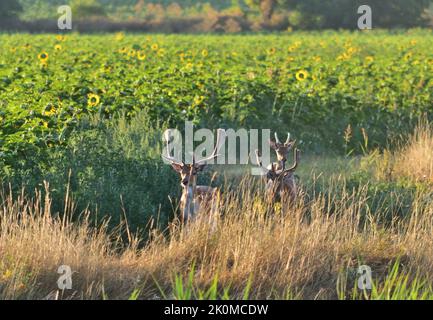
{"x": 9, "y": 8}
{"x": 87, "y": 8}
{"x": 110, "y": 166}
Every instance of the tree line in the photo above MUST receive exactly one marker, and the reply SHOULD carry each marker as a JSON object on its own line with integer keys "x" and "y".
{"x": 241, "y": 15}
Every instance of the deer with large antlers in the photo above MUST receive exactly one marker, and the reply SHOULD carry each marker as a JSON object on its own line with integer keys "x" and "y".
{"x": 282, "y": 151}
{"x": 195, "y": 198}
{"x": 280, "y": 183}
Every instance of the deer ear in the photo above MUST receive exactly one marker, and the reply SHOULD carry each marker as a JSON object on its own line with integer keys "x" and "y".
{"x": 273, "y": 144}
{"x": 290, "y": 144}
{"x": 177, "y": 167}
{"x": 200, "y": 167}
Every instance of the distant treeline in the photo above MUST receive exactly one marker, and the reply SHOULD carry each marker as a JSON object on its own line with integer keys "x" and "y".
{"x": 211, "y": 16}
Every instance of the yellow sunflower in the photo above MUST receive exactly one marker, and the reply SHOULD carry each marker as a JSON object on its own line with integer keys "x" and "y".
{"x": 50, "y": 110}
{"x": 141, "y": 55}
{"x": 60, "y": 37}
{"x": 132, "y": 53}
{"x": 292, "y": 48}
{"x": 369, "y": 59}
{"x": 161, "y": 52}
{"x": 123, "y": 50}
{"x": 155, "y": 47}
{"x": 44, "y": 64}
{"x": 93, "y": 100}
{"x": 198, "y": 100}
{"x": 119, "y": 36}
{"x": 43, "y": 56}
{"x": 57, "y": 47}
{"x": 302, "y": 75}
{"x": 317, "y": 59}
{"x": 272, "y": 51}
{"x": 408, "y": 56}
{"x": 204, "y": 53}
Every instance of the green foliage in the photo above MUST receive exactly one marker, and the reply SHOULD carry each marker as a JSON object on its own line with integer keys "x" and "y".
{"x": 378, "y": 83}
{"x": 86, "y": 8}
{"x": 344, "y": 13}
{"x": 397, "y": 284}
{"x": 110, "y": 166}
{"x": 187, "y": 289}
{"x": 9, "y": 8}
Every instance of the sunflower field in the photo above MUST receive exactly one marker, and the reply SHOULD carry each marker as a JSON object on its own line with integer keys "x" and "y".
{"x": 314, "y": 84}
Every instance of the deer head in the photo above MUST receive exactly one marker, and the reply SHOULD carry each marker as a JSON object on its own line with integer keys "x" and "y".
{"x": 280, "y": 181}
{"x": 282, "y": 149}
{"x": 189, "y": 171}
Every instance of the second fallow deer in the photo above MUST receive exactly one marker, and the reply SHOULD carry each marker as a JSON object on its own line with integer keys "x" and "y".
{"x": 280, "y": 183}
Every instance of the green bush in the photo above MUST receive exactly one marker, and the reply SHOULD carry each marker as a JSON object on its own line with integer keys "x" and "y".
{"x": 313, "y": 14}
{"x": 9, "y": 8}
{"x": 110, "y": 166}
{"x": 87, "y": 8}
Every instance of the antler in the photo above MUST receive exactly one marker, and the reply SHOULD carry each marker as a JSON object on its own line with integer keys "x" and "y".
{"x": 260, "y": 163}
{"x": 288, "y": 138}
{"x": 220, "y": 132}
{"x": 168, "y": 157}
{"x": 295, "y": 165}
{"x": 276, "y": 138}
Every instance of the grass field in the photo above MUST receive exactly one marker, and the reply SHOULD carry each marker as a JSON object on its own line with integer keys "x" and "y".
{"x": 81, "y": 119}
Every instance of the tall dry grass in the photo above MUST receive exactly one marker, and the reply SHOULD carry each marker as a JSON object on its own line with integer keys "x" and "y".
{"x": 299, "y": 253}
{"x": 415, "y": 159}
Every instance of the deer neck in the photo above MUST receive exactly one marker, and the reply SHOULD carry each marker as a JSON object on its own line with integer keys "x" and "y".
{"x": 282, "y": 164}
{"x": 188, "y": 198}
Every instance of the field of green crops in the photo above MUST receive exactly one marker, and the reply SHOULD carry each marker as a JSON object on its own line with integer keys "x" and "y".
{"x": 377, "y": 82}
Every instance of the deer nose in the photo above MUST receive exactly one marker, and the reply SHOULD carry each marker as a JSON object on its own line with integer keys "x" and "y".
{"x": 185, "y": 182}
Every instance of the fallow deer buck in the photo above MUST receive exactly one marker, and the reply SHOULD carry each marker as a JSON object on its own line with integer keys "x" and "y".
{"x": 280, "y": 183}
{"x": 195, "y": 198}
{"x": 282, "y": 151}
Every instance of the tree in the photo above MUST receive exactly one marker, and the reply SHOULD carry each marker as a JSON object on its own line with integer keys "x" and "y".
{"x": 9, "y": 8}
{"x": 266, "y": 7}
{"x": 343, "y": 13}
{"x": 87, "y": 8}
